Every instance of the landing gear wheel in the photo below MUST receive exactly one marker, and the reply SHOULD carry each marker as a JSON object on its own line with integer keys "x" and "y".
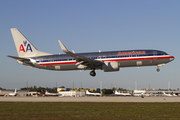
{"x": 158, "y": 69}
{"x": 92, "y": 73}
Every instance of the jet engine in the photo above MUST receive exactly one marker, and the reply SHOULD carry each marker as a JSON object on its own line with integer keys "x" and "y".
{"x": 20, "y": 62}
{"x": 109, "y": 66}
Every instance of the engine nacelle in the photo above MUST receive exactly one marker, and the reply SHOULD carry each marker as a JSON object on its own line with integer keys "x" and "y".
{"x": 110, "y": 66}
{"x": 20, "y": 62}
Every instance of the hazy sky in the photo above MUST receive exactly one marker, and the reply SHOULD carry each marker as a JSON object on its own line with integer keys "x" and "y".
{"x": 90, "y": 26}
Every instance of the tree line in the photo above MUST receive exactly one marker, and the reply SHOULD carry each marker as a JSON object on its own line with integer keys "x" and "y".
{"x": 40, "y": 89}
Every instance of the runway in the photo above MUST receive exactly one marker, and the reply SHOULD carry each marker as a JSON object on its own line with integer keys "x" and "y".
{"x": 90, "y": 99}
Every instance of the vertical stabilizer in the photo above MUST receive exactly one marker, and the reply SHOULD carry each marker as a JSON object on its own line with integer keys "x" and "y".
{"x": 87, "y": 92}
{"x": 23, "y": 46}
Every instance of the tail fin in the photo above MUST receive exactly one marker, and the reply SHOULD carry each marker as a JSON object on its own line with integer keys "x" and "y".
{"x": 87, "y": 92}
{"x": 23, "y": 46}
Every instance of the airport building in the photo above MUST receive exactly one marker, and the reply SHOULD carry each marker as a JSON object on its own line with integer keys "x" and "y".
{"x": 19, "y": 93}
{"x": 77, "y": 89}
{"x": 75, "y": 92}
{"x": 72, "y": 93}
{"x": 139, "y": 92}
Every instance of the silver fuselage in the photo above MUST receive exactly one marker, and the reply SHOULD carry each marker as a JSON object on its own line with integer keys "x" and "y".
{"x": 130, "y": 58}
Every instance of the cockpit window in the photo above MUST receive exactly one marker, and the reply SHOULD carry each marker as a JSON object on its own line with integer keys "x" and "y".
{"x": 163, "y": 53}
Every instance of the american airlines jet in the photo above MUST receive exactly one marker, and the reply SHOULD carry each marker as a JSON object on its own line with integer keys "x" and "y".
{"x": 109, "y": 61}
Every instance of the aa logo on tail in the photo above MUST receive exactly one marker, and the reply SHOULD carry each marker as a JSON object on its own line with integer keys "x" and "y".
{"x": 25, "y": 48}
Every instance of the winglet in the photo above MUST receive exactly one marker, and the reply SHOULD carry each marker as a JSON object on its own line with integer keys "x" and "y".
{"x": 64, "y": 49}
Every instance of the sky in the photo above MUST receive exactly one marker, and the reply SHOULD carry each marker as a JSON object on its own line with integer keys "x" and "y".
{"x": 90, "y": 26}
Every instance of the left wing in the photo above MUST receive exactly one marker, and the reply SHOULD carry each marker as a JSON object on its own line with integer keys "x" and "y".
{"x": 81, "y": 59}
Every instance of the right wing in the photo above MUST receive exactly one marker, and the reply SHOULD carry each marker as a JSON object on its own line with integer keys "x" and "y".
{"x": 81, "y": 59}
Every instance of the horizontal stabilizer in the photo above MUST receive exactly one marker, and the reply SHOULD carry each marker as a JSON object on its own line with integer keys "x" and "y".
{"x": 23, "y": 61}
{"x": 18, "y": 58}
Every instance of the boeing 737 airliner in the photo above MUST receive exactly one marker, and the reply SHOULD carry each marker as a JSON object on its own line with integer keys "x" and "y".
{"x": 107, "y": 61}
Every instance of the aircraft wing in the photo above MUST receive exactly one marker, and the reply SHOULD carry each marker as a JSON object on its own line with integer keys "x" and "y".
{"x": 81, "y": 59}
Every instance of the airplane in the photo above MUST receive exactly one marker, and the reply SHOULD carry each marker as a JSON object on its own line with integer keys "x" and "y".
{"x": 122, "y": 94}
{"x": 109, "y": 61}
{"x": 167, "y": 94}
{"x": 139, "y": 93}
{"x": 13, "y": 94}
{"x": 52, "y": 94}
{"x": 173, "y": 94}
{"x": 93, "y": 94}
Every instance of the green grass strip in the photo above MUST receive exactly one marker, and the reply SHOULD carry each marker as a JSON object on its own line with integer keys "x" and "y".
{"x": 88, "y": 111}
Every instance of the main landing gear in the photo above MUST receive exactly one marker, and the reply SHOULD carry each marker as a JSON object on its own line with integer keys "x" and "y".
{"x": 158, "y": 69}
{"x": 93, "y": 73}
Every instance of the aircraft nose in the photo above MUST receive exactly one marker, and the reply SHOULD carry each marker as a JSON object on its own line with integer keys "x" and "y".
{"x": 171, "y": 58}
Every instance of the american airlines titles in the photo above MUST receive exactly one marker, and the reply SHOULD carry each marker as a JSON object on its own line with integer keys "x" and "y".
{"x": 132, "y": 53}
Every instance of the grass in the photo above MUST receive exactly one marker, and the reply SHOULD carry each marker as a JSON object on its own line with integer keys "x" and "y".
{"x": 88, "y": 111}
